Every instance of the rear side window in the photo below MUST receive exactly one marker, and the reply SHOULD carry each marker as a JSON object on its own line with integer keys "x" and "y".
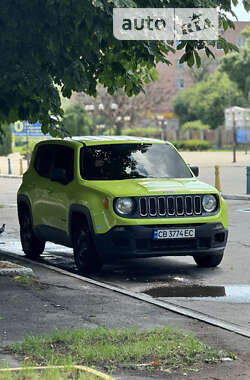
{"x": 64, "y": 159}
{"x": 43, "y": 160}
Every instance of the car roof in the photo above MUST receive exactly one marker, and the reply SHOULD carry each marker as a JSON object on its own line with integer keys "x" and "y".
{"x": 95, "y": 140}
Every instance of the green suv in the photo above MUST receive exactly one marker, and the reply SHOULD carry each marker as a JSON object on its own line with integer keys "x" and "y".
{"x": 119, "y": 197}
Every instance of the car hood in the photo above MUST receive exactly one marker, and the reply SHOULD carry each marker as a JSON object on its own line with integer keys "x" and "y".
{"x": 147, "y": 187}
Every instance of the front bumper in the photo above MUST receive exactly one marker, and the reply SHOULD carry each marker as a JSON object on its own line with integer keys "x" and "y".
{"x": 137, "y": 241}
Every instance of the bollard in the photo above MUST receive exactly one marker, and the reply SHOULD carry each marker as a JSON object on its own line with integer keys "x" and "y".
{"x": 21, "y": 166}
{"x": 9, "y": 167}
{"x": 248, "y": 179}
{"x": 217, "y": 178}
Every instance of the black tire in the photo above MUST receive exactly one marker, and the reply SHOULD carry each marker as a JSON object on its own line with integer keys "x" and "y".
{"x": 32, "y": 246}
{"x": 208, "y": 261}
{"x": 86, "y": 257}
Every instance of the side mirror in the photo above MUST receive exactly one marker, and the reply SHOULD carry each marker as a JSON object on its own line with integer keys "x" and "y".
{"x": 59, "y": 175}
{"x": 195, "y": 170}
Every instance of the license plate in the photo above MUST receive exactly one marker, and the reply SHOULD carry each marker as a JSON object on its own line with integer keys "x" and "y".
{"x": 180, "y": 233}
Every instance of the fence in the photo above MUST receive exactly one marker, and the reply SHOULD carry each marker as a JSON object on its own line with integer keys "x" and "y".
{"x": 218, "y": 137}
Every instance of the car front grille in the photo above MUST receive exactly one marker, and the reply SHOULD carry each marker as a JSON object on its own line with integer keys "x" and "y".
{"x": 170, "y": 206}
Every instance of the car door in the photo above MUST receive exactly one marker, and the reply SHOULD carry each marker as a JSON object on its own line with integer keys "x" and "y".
{"x": 39, "y": 185}
{"x": 60, "y": 191}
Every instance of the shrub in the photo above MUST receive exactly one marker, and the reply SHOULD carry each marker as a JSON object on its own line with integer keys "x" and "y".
{"x": 192, "y": 145}
{"x": 196, "y": 125}
{"x": 143, "y": 132}
{"x": 6, "y": 137}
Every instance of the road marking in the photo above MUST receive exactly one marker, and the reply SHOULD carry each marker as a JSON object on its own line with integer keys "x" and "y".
{"x": 181, "y": 310}
{"x": 78, "y": 367}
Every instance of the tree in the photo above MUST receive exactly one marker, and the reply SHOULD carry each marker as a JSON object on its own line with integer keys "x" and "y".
{"x": 207, "y": 100}
{"x": 195, "y": 125}
{"x": 70, "y": 44}
{"x": 77, "y": 121}
{"x": 132, "y": 108}
{"x": 237, "y": 66}
{"x": 201, "y": 73}
{"x": 6, "y": 140}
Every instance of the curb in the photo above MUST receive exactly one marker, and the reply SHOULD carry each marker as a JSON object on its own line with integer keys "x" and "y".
{"x": 10, "y": 176}
{"x": 236, "y": 197}
{"x": 12, "y": 269}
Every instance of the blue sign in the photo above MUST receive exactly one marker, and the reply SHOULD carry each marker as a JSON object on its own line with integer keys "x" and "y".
{"x": 241, "y": 136}
{"x": 24, "y": 128}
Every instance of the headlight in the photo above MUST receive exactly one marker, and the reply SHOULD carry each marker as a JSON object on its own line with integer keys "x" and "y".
{"x": 124, "y": 206}
{"x": 209, "y": 203}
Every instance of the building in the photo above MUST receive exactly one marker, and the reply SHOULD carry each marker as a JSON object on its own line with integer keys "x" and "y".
{"x": 238, "y": 116}
{"x": 178, "y": 77}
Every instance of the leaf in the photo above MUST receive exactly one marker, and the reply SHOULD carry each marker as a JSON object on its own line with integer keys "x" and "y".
{"x": 246, "y": 4}
{"x": 156, "y": 363}
{"x": 225, "y": 25}
{"x": 209, "y": 52}
{"x": 181, "y": 45}
{"x": 183, "y": 58}
{"x": 190, "y": 60}
{"x": 197, "y": 58}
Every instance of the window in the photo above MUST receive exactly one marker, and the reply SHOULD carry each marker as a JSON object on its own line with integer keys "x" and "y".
{"x": 64, "y": 161}
{"x": 126, "y": 161}
{"x": 180, "y": 83}
{"x": 43, "y": 160}
{"x": 219, "y": 45}
{"x": 179, "y": 65}
{"x": 241, "y": 42}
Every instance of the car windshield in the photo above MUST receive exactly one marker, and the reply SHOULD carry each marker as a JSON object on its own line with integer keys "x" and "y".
{"x": 125, "y": 161}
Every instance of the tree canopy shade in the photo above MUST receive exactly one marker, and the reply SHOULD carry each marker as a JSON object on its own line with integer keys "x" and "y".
{"x": 70, "y": 44}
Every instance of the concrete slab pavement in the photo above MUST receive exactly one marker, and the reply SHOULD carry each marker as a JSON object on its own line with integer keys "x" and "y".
{"x": 61, "y": 302}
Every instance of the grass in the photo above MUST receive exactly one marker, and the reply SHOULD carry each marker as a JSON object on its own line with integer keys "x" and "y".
{"x": 26, "y": 281}
{"x": 47, "y": 374}
{"x": 162, "y": 349}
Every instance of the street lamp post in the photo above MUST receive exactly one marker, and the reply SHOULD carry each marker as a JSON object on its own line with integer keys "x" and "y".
{"x": 163, "y": 124}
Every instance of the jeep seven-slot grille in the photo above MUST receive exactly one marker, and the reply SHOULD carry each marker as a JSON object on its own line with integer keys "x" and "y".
{"x": 170, "y": 206}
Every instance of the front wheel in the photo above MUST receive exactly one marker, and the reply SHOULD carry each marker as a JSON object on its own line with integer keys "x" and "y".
{"x": 32, "y": 246}
{"x": 209, "y": 261}
{"x": 86, "y": 257}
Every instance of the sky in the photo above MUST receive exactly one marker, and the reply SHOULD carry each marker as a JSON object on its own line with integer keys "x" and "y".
{"x": 241, "y": 13}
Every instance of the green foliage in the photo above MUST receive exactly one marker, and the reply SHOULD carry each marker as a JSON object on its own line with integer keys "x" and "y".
{"x": 143, "y": 132}
{"x": 192, "y": 145}
{"x": 207, "y": 100}
{"x": 115, "y": 349}
{"x": 237, "y": 66}
{"x": 6, "y": 140}
{"x": 196, "y": 125}
{"x": 70, "y": 44}
{"x": 77, "y": 121}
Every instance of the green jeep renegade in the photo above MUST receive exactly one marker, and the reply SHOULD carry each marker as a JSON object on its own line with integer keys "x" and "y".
{"x": 119, "y": 197}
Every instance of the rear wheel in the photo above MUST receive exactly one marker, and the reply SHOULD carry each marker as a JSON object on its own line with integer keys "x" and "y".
{"x": 32, "y": 246}
{"x": 208, "y": 261}
{"x": 86, "y": 257}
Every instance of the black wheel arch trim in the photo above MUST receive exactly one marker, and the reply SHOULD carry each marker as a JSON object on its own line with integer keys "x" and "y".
{"x": 80, "y": 209}
{"x": 24, "y": 199}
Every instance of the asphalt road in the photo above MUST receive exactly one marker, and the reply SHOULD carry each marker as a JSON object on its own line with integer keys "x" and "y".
{"x": 225, "y": 290}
